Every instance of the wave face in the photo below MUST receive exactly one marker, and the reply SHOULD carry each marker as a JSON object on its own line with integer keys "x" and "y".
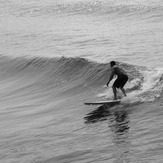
{"x": 144, "y": 83}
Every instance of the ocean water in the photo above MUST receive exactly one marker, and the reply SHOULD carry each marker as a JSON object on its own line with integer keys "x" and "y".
{"x": 54, "y": 56}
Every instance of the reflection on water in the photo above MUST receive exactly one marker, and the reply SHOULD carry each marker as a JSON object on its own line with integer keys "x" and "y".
{"x": 100, "y": 114}
{"x": 119, "y": 124}
{"x": 118, "y": 120}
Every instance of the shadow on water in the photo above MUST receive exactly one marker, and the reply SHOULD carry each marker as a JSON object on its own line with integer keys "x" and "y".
{"x": 101, "y": 113}
{"x": 119, "y": 124}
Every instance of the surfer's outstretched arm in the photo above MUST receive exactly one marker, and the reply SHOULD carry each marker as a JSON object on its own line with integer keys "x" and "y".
{"x": 111, "y": 77}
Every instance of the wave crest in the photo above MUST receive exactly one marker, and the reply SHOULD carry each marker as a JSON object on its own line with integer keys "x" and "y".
{"x": 143, "y": 84}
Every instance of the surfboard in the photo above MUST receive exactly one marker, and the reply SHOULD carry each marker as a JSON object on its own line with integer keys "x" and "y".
{"x": 103, "y": 102}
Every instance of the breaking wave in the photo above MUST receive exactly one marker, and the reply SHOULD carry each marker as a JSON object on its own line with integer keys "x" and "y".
{"x": 76, "y": 74}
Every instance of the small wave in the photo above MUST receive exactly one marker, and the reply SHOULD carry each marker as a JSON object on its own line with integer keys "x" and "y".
{"x": 143, "y": 85}
{"x": 68, "y": 68}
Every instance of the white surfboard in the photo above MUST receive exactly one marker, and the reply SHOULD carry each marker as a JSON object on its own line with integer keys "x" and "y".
{"x": 103, "y": 102}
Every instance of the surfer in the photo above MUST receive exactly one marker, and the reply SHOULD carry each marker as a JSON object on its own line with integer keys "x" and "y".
{"x": 121, "y": 80}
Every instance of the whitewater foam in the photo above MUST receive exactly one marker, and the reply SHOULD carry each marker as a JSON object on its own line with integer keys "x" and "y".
{"x": 146, "y": 87}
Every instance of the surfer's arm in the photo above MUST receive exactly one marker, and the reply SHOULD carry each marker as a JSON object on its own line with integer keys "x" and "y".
{"x": 111, "y": 77}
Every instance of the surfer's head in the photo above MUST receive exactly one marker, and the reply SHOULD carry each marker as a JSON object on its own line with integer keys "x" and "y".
{"x": 112, "y": 63}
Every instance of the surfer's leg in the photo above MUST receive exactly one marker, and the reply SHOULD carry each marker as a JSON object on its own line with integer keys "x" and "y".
{"x": 123, "y": 90}
{"x": 115, "y": 86}
{"x": 123, "y": 82}
{"x": 115, "y": 92}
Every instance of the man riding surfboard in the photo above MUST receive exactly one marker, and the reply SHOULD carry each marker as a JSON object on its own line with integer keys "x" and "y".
{"x": 121, "y": 80}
